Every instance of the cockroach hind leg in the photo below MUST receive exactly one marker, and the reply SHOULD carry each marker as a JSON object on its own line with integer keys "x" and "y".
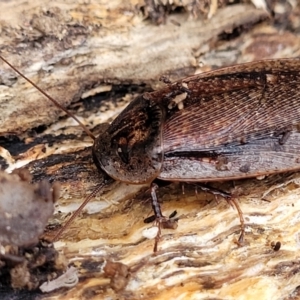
{"x": 212, "y": 190}
{"x": 232, "y": 202}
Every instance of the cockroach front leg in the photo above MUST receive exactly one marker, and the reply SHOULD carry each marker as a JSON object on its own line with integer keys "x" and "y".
{"x": 161, "y": 221}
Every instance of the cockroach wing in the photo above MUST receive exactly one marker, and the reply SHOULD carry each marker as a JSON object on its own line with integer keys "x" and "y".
{"x": 130, "y": 150}
{"x": 235, "y": 107}
{"x": 258, "y": 157}
{"x": 231, "y": 122}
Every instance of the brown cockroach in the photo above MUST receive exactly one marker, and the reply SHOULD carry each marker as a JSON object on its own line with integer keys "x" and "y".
{"x": 232, "y": 123}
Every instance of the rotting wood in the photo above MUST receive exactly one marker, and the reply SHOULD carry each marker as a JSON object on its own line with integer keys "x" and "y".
{"x": 200, "y": 258}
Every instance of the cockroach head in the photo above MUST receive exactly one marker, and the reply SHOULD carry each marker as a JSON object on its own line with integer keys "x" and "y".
{"x": 130, "y": 149}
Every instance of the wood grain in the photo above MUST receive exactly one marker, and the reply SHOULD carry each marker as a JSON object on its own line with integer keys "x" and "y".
{"x": 75, "y": 48}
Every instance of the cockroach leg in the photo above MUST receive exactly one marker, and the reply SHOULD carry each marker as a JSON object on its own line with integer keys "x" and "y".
{"x": 153, "y": 217}
{"x": 231, "y": 201}
{"x": 155, "y": 204}
{"x": 173, "y": 214}
{"x": 213, "y": 191}
{"x": 150, "y": 219}
{"x": 160, "y": 220}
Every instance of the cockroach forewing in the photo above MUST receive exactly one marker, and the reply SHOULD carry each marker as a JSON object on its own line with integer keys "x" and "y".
{"x": 235, "y": 107}
{"x": 232, "y": 123}
{"x": 258, "y": 157}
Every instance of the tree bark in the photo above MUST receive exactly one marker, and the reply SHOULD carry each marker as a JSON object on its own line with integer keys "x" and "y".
{"x": 94, "y": 58}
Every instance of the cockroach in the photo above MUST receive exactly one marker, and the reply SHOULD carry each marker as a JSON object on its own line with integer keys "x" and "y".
{"x": 227, "y": 124}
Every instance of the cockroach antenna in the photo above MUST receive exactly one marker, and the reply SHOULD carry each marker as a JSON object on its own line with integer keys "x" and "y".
{"x": 88, "y": 132}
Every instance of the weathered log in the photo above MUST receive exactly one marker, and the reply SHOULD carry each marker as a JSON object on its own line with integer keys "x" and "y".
{"x": 74, "y": 50}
